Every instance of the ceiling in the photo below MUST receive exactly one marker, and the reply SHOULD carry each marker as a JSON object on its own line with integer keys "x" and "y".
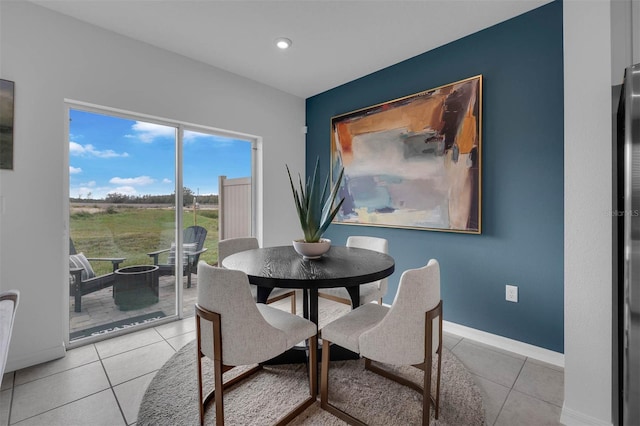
{"x": 334, "y": 41}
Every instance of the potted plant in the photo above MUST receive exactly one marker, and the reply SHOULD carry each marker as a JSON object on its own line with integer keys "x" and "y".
{"x": 314, "y": 204}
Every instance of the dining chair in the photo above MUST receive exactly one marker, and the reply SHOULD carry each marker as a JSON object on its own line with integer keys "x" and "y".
{"x": 369, "y": 292}
{"x": 232, "y": 330}
{"x": 8, "y": 306}
{"x": 407, "y": 333}
{"x": 231, "y": 246}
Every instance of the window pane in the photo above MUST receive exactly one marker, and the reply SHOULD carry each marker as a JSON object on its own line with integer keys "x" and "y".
{"x": 122, "y": 207}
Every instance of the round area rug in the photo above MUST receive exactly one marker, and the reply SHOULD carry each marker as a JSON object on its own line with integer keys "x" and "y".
{"x": 265, "y": 397}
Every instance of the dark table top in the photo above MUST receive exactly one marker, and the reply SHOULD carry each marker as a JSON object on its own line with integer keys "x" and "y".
{"x": 283, "y": 267}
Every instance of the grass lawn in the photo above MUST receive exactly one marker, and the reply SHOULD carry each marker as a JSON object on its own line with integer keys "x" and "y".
{"x": 132, "y": 232}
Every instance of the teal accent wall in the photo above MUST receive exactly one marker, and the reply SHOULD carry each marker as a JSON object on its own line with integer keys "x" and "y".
{"x": 522, "y": 176}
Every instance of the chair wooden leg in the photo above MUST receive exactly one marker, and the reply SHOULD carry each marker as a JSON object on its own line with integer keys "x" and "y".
{"x": 324, "y": 389}
{"x": 199, "y": 361}
{"x": 219, "y": 392}
{"x": 324, "y": 374}
{"x": 439, "y": 364}
{"x": 426, "y": 391}
{"x": 218, "y": 369}
{"x": 293, "y": 302}
{"x": 313, "y": 367}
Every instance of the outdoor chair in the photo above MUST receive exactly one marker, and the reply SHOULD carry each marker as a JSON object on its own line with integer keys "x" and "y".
{"x": 232, "y": 330}
{"x": 369, "y": 292}
{"x": 83, "y": 279}
{"x": 193, "y": 246}
{"x": 234, "y": 245}
{"x": 407, "y": 333}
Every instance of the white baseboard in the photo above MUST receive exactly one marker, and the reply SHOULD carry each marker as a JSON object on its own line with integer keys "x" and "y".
{"x": 571, "y": 417}
{"x": 521, "y": 348}
{"x": 27, "y": 360}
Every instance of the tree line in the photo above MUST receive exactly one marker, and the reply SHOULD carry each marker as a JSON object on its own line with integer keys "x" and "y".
{"x": 188, "y": 198}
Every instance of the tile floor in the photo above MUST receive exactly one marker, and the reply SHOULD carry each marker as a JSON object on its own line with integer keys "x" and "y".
{"x": 103, "y": 383}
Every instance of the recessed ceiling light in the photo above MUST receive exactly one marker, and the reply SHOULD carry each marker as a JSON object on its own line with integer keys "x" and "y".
{"x": 283, "y": 43}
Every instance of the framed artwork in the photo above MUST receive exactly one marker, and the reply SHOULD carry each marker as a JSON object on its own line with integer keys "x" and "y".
{"x": 413, "y": 162}
{"x": 6, "y": 124}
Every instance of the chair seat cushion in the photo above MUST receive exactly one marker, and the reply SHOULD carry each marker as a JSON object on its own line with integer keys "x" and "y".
{"x": 187, "y": 249}
{"x": 368, "y": 292}
{"x": 346, "y": 330}
{"x": 296, "y": 328}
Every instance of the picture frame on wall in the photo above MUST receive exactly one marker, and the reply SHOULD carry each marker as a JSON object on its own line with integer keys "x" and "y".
{"x": 7, "y": 93}
{"x": 413, "y": 162}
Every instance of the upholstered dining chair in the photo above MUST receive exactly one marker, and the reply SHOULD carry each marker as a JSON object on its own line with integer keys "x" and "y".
{"x": 232, "y": 330}
{"x": 369, "y": 292}
{"x": 407, "y": 333}
{"x": 231, "y": 246}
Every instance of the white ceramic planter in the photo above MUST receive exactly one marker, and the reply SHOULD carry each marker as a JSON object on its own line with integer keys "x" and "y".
{"x": 312, "y": 250}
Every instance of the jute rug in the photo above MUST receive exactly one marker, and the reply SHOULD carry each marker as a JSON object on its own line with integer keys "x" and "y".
{"x": 172, "y": 398}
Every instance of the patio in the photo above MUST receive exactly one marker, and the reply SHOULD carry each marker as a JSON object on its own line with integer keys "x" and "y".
{"x": 100, "y": 313}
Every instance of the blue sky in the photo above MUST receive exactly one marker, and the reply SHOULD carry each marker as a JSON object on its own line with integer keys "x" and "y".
{"x": 112, "y": 154}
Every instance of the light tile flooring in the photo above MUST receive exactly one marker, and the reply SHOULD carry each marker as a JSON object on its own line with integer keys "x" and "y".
{"x": 103, "y": 383}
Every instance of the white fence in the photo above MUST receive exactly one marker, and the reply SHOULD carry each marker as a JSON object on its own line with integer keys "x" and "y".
{"x": 234, "y": 207}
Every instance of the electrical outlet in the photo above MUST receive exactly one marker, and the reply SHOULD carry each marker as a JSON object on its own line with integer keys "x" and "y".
{"x": 511, "y": 293}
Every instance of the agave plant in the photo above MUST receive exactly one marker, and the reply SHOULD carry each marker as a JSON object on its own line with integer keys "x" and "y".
{"x": 315, "y": 204}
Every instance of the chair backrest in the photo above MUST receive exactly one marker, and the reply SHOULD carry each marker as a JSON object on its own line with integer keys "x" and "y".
{"x": 399, "y": 337}
{"x": 193, "y": 240}
{"x": 234, "y": 245}
{"x": 8, "y": 306}
{"x": 380, "y": 245}
{"x": 72, "y": 247}
{"x": 247, "y": 338}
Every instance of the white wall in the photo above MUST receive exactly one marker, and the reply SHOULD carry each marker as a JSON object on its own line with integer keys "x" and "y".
{"x": 588, "y": 227}
{"x": 52, "y": 57}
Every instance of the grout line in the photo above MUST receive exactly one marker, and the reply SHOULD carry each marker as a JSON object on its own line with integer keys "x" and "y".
{"x": 113, "y": 391}
{"x": 511, "y": 389}
{"x": 57, "y": 407}
{"x": 13, "y": 388}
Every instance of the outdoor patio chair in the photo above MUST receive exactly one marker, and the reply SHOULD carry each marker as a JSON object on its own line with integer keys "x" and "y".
{"x": 83, "y": 279}
{"x": 193, "y": 246}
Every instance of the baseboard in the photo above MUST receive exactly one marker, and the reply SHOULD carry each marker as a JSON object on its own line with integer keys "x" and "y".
{"x": 521, "y": 348}
{"x": 571, "y": 417}
{"x": 27, "y": 360}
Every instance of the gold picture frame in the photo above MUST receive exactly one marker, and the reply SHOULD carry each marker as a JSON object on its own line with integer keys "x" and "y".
{"x": 413, "y": 162}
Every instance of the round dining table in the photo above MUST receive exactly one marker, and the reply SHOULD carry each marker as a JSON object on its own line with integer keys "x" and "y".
{"x": 283, "y": 267}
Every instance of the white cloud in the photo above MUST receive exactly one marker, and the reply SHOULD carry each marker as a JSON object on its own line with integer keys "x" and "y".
{"x": 165, "y": 180}
{"x": 140, "y": 180}
{"x": 74, "y": 170}
{"x": 126, "y": 190}
{"x": 90, "y": 151}
{"x": 148, "y": 132}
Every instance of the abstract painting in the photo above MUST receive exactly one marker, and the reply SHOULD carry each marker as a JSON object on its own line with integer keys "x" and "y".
{"x": 6, "y": 124}
{"x": 414, "y": 162}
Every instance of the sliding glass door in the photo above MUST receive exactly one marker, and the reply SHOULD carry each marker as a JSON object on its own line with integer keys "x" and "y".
{"x": 128, "y": 265}
{"x": 121, "y": 210}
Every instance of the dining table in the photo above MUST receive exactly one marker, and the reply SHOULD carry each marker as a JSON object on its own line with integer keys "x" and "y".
{"x": 283, "y": 267}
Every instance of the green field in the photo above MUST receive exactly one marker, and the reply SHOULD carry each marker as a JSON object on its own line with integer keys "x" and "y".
{"x": 132, "y": 232}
